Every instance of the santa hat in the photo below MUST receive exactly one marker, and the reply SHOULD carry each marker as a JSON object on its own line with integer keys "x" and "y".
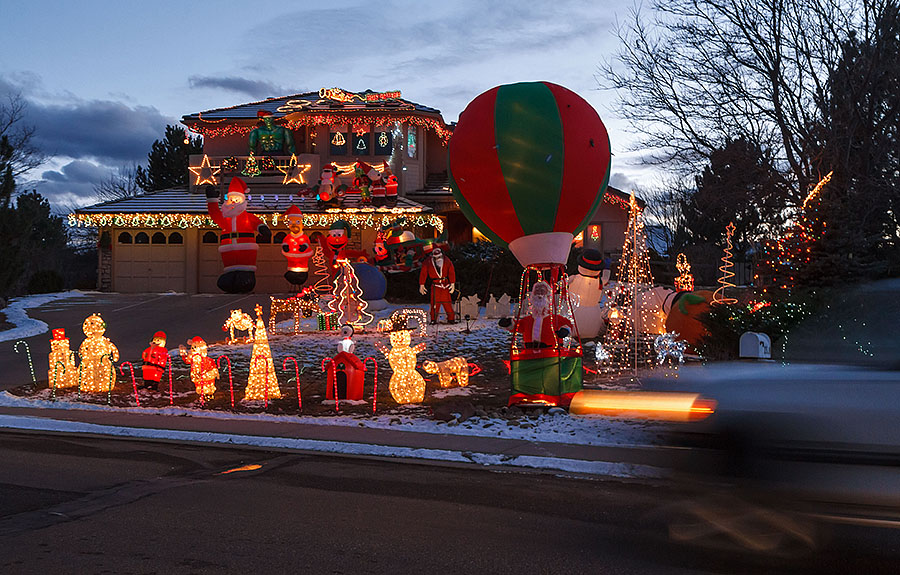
{"x": 59, "y": 334}
{"x": 341, "y": 225}
{"x": 386, "y": 169}
{"x": 237, "y": 186}
{"x": 293, "y": 213}
{"x": 196, "y": 341}
{"x": 159, "y": 335}
{"x": 263, "y": 113}
{"x": 590, "y": 263}
{"x": 364, "y": 166}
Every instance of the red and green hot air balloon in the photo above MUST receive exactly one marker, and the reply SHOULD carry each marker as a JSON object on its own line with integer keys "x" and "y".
{"x": 529, "y": 164}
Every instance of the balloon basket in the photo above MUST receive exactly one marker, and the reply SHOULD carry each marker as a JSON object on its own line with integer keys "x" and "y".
{"x": 547, "y": 378}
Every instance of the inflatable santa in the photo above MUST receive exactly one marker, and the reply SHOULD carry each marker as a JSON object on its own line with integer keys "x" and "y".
{"x": 540, "y": 329}
{"x": 237, "y": 242}
{"x": 296, "y": 247}
{"x": 390, "y": 185}
{"x": 443, "y": 283}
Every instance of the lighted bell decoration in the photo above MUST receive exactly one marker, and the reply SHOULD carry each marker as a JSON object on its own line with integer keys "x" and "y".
{"x": 96, "y": 372}
{"x": 528, "y": 165}
{"x": 63, "y": 372}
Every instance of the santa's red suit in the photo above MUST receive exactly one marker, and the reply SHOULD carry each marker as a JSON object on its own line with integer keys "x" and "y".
{"x": 155, "y": 358}
{"x": 297, "y": 249}
{"x": 442, "y": 277}
{"x": 541, "y": 331}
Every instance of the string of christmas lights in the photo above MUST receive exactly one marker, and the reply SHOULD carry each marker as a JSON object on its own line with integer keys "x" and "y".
{"x": 724, "y": 280}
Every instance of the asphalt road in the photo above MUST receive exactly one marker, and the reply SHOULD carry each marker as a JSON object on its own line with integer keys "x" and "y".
{"x": 88, "y": 505}
{"x": 131, "y": 319}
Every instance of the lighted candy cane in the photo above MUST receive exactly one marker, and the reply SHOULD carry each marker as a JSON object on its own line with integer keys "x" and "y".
{"x": 27, "y": 353}
{"x": 327, "y": 360}
{"x": 171, "y": 389}
{"x": 475, "y": 369}
{"x": 230, "y": 382}
{"x": 56, "y": 377}
{"x": 112, "y": 377}
{"x": 375, "y": 393}
{"x": 296, "y": 376}
{"x": 133, "y": 382}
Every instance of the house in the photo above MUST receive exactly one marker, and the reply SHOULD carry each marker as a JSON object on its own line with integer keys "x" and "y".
{"x": 164, "y": 240}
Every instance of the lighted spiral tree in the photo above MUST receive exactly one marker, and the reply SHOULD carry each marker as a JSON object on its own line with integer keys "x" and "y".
{"x": 348, "y": 302}
{"x": 725, "y": 279}
{"x": 262, "y": 382}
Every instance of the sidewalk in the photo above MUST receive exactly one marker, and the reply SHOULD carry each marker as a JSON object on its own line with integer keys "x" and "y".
{"x": 624, "y": 461}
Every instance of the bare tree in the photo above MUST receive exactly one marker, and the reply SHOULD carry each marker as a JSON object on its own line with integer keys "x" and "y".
{"x": 120, "y": 185}
{"x": 25, "y": 155}
{"x": 697, "y": 73}
{"x": 664, "y": 203}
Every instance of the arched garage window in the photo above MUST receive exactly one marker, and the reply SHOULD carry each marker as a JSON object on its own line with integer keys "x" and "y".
{"x": 124, "y": 238}
{"x": 278, "y": 238}
{"x": 176, "y": 238}
{"x": 142, "y": 238}
{"x": 158, "y": 238}
{"x": 210, "y": 238}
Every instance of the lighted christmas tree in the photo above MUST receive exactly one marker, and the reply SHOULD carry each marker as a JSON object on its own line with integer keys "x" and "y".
{"x": 251, "y": 168}
{"x": 624, "y": 338}
{"x": 348, "y": 302}
{"x": 320, "y": 271}
{"x": 725, "y": 279}
{"x": 262, "y": 382}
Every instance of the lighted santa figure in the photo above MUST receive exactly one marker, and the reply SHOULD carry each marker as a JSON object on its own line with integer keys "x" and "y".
{"x": 237, "y": 242}
{"x": 540, "y": 329}
{"x": 296, "y": 247}
{"x": 154, "y": 358}
{"x": 586, "y": 291}
{"x": 440, "y": 271}
{"x": 204, "y": 372}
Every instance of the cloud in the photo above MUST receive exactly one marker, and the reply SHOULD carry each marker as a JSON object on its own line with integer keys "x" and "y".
{"x": 623, "y": 182}
{"x": 71, "y": 183}
{"x": 259, "y": 89}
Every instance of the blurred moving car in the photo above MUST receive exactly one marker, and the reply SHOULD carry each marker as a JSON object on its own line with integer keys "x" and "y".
{"x": 793, "y": 445}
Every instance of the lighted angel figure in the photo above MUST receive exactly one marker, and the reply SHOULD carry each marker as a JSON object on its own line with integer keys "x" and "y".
{"x": 406, "y": 385}
{"x": 98, "y": 354}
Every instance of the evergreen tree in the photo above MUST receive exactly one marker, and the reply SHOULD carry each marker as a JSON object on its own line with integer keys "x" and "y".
{"x": 167, "y": 162}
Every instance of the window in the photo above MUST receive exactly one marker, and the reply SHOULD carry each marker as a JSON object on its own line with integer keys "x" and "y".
{"x": 176, "y": 238}
{"x": 362, "y": 145}
{"x": 384, "y": 143}
{"x": 210, "y": 238}
{"x": 411, "y": 142}
{"x": 142, "y": 238}
{"x": 339, "y": 136}
{"x": 158, "y": 238}
{"x": 124, "y": 238}
{"x": 279, "y": 237}
{"x": 263, "y": 239}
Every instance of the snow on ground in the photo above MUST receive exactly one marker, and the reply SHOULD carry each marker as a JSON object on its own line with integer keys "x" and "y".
{"x": 544, "y": 428}
{"x": 16, "y": 314}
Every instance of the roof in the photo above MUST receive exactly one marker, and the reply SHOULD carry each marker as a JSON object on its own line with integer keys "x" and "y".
{"x": 179, "y": 200}
{"x": 331, "y": 100}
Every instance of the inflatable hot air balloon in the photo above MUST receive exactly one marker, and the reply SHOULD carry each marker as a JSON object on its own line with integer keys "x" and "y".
{"x": 528, "y": 165}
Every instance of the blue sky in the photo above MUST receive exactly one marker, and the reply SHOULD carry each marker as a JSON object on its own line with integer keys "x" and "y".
{"x": 103, "y": 78}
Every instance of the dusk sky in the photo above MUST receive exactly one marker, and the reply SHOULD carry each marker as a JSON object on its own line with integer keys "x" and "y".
{"x": 103, "y": 78}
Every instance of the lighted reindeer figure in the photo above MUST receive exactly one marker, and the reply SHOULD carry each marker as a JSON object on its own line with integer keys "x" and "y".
{"x": 305, "y": 302}
{"x": 406, "y": 385}
{"x": 238, "y": 321}
{"x": 446, "y": 370}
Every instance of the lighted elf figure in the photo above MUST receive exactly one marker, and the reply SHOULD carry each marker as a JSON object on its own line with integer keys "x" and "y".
{"x": 297, "y": 248}
{"x": 98, "y": 354}
{"x": 362, "y": 182}
{"x": 154, "y": 358}
{"x": 269, "y": 138}
{"x": 204, "y": 372}
{"x": 237, "y": 243}
{"x": 263, "y": 382}
{"x": 540, "y": 329}
{"x": 443, "y": 284}
{"x": 63, "y": 372}
{"x": 406, "y": 385}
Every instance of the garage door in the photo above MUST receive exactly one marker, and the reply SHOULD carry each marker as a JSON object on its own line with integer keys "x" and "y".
{"x": 149, "y": 261}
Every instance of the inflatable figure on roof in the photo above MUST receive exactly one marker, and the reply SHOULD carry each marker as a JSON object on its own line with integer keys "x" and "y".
{"x": 399, "y": 250}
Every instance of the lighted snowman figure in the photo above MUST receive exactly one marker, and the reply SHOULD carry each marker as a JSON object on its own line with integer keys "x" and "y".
{"x": 62, "y": 372}
{"x": 406, "y": 385}
{"x": 98, "y": 354}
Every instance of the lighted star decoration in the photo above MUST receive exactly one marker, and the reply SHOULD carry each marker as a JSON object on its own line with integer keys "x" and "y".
{"x": 205, "y": 173}
{"x": 293, "y": 172}
{"x": 666, "y": 345}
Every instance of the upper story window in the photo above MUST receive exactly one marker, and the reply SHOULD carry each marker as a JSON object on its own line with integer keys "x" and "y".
{"x": 384, "y": 141}
{"x": 411, "y": 144}
{"x": 339, "y": 144}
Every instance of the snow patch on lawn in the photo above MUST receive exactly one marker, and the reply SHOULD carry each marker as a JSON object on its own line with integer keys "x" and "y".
{"x": 16, "y": 314}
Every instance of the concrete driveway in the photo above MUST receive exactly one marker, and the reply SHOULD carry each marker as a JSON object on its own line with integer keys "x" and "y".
{"x": 131, "y": 319}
